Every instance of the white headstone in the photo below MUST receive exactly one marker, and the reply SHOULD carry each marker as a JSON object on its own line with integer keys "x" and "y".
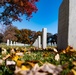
{"x": 7, "y": 42}
{"x": 55, "y": 44}
{"x": 11, "y": 43}
{"x": 14, "y": 43}
{"x": 67, "y": 25}
{"x": 52, "y": 44}
{"x": 36, "y": 43}
{"x": 39, "y": 41}
{"x": 44, "y": 38}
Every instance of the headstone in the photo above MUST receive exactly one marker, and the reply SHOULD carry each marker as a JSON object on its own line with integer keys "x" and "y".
{"x": 52, "y": 44}
{"x": 36, "y": 43}
{"x": 7, "y": 42}
{"x": 67, "y": 24}
{"x": 11, "y": 43}
{"x": 39, "y": 41}
{"x": 55, "y": 44}
{"x": 14, "y": 43}
{"x": 44, "y": 38}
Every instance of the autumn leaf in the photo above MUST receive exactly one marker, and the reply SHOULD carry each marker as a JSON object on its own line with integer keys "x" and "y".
{"x": 31, "y": 63}
{"x": 23, "y": 67}
{"x": 74, "y": 72}
{"x": 15, "y": 58}
{"x": 19, "y": 63}
{"x": 74, "y": 63}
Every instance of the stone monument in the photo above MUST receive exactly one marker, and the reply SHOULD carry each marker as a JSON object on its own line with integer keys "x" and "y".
{"x": 7, "y": 42}
{"x": 44, "y": 38}
{"x": 37, "y": 42}
{"x": 67, "y": 24}
{"x": 11, "y": 43}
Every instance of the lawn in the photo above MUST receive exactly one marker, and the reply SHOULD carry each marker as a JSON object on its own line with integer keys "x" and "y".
{"x": 20, "y": 60}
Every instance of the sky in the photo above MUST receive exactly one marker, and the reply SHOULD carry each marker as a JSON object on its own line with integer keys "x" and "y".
{"x": 45, "y": 17}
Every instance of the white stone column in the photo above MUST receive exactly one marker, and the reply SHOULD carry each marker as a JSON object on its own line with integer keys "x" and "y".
{"x": 7, "y": 42}
{"x": 39, "y": 41}
{"x": 44, "y": 38}
{"x": 14, "y": 43}
{"x": 11, "y": 43}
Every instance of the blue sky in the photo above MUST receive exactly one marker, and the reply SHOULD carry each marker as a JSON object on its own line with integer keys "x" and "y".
{"x": 46, "y": 17}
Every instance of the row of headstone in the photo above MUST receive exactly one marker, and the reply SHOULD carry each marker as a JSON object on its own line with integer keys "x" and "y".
{"x": 10, "y": 43}
{"x": 52, "y": 44}
{"x": 37, "y": 42}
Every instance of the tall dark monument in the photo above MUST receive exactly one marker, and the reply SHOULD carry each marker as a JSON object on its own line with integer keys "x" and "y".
{"x": 67, "y": 24}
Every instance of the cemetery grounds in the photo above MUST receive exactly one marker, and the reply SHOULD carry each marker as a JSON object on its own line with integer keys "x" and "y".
{"x": 15, "y": 60}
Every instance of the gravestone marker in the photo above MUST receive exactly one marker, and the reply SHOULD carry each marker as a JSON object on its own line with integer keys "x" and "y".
{"x": 7, "y": 42}
{"x": 37, "y": 42}
{"x": 67, "y": 24}
{"x": 11, "y": 43}
{"x": 44, "y": 38}
{"x": 14, "y": 43}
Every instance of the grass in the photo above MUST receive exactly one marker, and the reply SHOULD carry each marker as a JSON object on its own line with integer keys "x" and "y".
{"x": 41, "y": 57}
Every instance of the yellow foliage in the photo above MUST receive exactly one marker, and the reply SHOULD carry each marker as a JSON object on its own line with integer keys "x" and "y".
{"x": 74, "y": 63}
{"x": 19, "y": 63}
{"x": 63, "y": 51}
{"x": 68, "y": 48}
{"x": 45, "y": 55}
{"x": 15, "y": 58}
{"x": 23, "y": 67}
{"x": 7, "y": 56}
{"x": 31, "y": 64}
{"x": 74, "y": 72}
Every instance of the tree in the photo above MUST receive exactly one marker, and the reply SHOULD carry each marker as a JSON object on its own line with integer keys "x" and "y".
{"x": 54, "y": 38}
{"x": 14, "y": 9}
{"x": 18, "y": 35}
{"x": 25, "y": 36}
{"x": 39, "y": 33}
{"x": 49, "y": 35}
{"x": 10, "y": 33}
{"x": 1, "y": 37}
